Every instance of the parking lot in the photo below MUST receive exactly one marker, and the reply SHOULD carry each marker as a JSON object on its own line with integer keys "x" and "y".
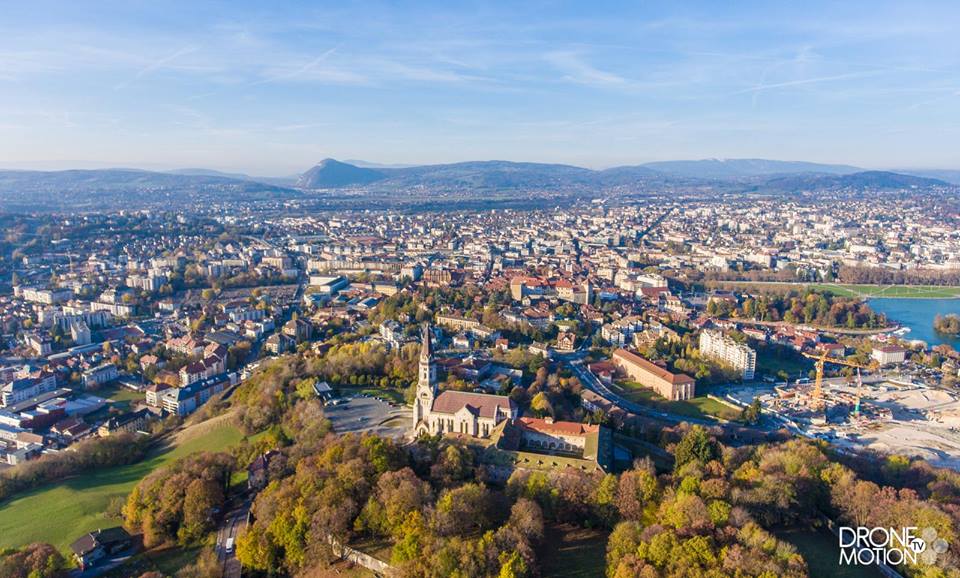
{"x": 367, "y": 414}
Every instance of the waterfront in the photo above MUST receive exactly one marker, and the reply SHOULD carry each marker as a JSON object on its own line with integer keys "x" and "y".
{"x": 918, "y": 315}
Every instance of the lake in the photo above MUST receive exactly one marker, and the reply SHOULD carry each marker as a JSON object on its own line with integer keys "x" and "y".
{"x": 918, "y": 314}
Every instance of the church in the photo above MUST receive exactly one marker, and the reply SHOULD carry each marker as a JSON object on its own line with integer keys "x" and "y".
{"x": 461, "y": 412}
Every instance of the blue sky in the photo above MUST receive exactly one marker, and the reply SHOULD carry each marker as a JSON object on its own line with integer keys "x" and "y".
{"x": 273, "y": 87}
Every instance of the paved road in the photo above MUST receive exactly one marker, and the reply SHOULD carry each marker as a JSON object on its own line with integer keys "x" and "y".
{"x": 233, "y": 523}
{"x": 591, "y": 382}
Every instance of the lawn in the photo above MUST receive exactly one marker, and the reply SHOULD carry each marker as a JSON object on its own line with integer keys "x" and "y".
{"x": 772, "y": 358}
{"x": 850, "y": 290}
{"x": 165, "y": 560}
{"x": 121, "y": 398}
{"x": 699, "y": 407}
{"x": 574, "y": 552}
{"x": 60, "y": 513}
{"x": 391, "y": 395}
{"x": 118, "y": 393}
{"x": 379, "y": 548}
{"x": 902, "y": 291}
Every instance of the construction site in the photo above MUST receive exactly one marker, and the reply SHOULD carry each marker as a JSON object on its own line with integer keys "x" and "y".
{"x": 860, "y": 410}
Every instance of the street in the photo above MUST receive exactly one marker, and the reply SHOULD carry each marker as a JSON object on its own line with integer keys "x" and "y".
{"x": 591, "y": 382}
{"x": 234, "y": 521}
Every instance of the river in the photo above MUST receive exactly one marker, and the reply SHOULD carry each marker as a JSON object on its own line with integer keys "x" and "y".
{"x": 918, "y": 314}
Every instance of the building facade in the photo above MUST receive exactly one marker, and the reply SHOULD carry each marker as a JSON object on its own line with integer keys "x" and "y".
{"x": 672, "y": 386}
{"x": 460, "y": 412}
{"x": 717, "y": 346}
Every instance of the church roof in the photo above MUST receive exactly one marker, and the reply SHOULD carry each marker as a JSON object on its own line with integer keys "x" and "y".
{"x": 480, "y": 404}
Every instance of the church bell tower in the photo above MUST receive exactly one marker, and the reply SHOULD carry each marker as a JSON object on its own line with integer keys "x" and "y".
{"x": 426, "y": 379}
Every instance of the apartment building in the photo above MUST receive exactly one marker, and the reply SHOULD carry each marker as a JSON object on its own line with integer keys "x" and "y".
{"x": 719, "y": 347}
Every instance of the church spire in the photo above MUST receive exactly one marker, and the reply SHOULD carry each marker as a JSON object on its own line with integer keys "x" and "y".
{"x": 426, "y": 347}
{"x": 426, "y": 381}
{"x": 428, "y": 371}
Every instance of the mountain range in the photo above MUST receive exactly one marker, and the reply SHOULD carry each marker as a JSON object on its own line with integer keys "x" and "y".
{"x": 755, "y": 174}
{"x": 474, "y": 180}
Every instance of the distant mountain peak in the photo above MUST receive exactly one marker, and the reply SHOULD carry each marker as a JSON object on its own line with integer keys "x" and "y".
{"x": 331, "y": 173}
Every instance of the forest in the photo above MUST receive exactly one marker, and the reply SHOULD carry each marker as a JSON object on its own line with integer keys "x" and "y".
{"x": 439, "y": 511}
{"x": 434, "y": 508}
{"x": 807, "y": 307}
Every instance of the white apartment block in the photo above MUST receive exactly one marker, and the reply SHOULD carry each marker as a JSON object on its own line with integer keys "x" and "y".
{"x": 715, "y": 345}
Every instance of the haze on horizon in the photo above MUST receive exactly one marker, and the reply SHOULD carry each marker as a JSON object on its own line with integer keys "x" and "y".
{"x": 271, "y": 90}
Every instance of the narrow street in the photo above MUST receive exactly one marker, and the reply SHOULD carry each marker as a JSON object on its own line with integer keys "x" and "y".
{"x": 233, "y": 522}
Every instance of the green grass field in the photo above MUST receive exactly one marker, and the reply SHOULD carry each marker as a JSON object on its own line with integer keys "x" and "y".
{"x": 388, "y": 394}
{"x": 893, "y": 291}
{"x": 165, "y": 560}
{"x": 699, "y": 407}
{"x": 60, "y": 513}
{"x": 848, "y": 290}
{"x": 118, "y": 393}
{"x": 769, "y": 363}
{"x": 574, "y": 552}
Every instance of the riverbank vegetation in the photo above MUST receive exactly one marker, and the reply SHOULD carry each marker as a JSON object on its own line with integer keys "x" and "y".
{"x": 948, "y": 324}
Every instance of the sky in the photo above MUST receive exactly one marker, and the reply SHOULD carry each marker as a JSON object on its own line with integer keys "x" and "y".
{"x": 271, "y": 88}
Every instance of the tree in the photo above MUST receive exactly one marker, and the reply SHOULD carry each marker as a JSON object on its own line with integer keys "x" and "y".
{"x": 463, "y": 510}
{"x": 696, "y": 446}
{"x": 35, "y": 560}
{"x": 638, "y": 490}
{"x": 751, "y": 413}
{"x": 207, "y": 565}
{"x": 413, "y": 535}
{"x": 540, "y": 405}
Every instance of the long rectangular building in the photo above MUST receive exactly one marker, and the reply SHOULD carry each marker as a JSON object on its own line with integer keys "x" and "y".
{"x": 673, "y": 386}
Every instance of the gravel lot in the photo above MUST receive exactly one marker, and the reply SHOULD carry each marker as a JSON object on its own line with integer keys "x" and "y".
{"x": 366, "y": 414}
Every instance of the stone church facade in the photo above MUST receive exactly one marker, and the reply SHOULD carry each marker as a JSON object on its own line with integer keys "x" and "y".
{"x": 459, "y": 412}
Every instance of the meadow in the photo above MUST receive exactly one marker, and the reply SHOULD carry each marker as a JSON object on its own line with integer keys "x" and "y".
{"x": 60, "y": 513}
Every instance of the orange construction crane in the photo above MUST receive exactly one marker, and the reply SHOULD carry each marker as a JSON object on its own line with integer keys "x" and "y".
{"x": 818, "y": 384}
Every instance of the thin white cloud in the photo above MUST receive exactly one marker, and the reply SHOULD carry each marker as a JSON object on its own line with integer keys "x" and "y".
{"x": 805, "y": 81}
{"x": 314, "y": 70}
{"x": 156, "y": 65}
{"x": 576, "y": 69}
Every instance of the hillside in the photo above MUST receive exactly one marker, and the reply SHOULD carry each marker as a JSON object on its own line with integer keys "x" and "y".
{"x": 466, "y": 182}
{"x": 862, "y": 181}
{"x": 330, "y": 174}
{"x": 737, "y": 168}
{"x": 106, "y": 188}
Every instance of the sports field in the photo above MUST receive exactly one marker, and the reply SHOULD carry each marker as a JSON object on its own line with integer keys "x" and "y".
{"x": 891, "y": 291}
{"x": 864, "y": 291}
{"x": 60, "y": 513}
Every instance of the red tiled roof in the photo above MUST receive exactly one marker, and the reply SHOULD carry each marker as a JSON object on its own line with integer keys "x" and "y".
{"x": 558, "y": 427}
{"x": 891, "y": 349}
{"x": 674, "y": 378}
{"x": 479, "y": 404}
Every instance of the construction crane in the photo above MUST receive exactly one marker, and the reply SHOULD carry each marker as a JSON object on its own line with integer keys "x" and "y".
{"x": 856, "y": 408}
{"x": 818, "y": 384}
